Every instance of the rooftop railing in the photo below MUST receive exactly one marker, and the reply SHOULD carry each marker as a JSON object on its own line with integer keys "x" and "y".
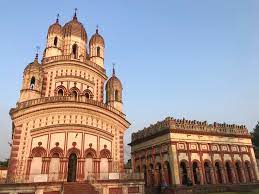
{"x": 53, "y": 99}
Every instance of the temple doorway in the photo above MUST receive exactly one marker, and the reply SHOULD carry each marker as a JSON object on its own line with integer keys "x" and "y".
{"x": 72, "y": 164}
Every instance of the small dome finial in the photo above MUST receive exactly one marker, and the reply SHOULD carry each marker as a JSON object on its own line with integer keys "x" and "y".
{"x": 75, "y": 17}
{"x": 113, "y": 69}
{"x": 57, "y": 20}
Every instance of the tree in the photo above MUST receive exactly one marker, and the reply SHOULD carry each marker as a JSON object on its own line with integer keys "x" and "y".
{"x": 255, "y": 135}
{"x": 4, "y": 163}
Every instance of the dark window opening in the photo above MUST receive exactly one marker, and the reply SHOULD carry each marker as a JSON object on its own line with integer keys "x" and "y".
{"x": 75, "y": 50}
{"x": 74, "y": 94}
{"x": 87, "y": 95}
{"x": 116, "y": 95}
{"x": 60, "y": 92}
{"x": 32, "y": 84}
{"x": 98, "y": 51}
{"x": 56, "y": 41}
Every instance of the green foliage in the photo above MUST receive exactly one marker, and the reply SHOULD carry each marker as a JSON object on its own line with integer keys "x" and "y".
{"x": 255, "y": 135}
{"x": 4, "y": 163}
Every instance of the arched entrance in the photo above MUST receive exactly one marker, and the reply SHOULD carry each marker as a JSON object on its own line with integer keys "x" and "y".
{"x": 196, "y": 173}
{"x": 72, "y": 164}
{"x": 167, "y": 173}
{"x": 184, "y": 173}
{"x": 239, "y": 172}
{"x": 229, "y": 172}
{"x": 249, "y": 174}
{"x": 218, "y": 173}
{"x": 207, "y": 173}
{"x": 158, "y": 174}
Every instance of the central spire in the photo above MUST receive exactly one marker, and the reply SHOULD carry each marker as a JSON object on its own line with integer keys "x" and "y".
{"x": 113, "y": 69}
{"x": 75, "y": 17}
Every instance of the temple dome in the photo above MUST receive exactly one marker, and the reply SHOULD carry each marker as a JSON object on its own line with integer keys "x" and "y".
{"x": 55, "y": 28}
{"x": 75, "y": 28}
{"x": 97, "y": 39}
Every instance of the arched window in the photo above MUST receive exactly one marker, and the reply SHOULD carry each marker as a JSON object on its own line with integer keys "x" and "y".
{"x": 218, "y": 172}
{"x": 87, "y": 95}
{"x": 229, "y": 172}
{"x": 32, "y": 83}
{"x": 98, "y": 51}
{"x": 60, "y": 92}
{"x": 196, "y": 173}
{"x": 116, "y": 94}
{"x": 56, "y": 41}
{"x": 184, "y": 173}
{"x": 207, "y": 173}
{"x": 75, "y": 50}
{"x": 74, "y": 94}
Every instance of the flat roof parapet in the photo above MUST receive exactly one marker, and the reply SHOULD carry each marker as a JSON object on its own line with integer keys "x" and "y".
{"x": 172, "y": 124}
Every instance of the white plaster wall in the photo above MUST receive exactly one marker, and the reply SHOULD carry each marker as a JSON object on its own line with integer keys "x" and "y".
{"x": 57, "y": 137}
{"x": 43, "y": 139}
{"x": 36, "y": 165}
{"x": 54, "y": 169}
{"x": 91, "y": 139}
{"x": 74, "y": 137}
{"x": 105, "y": 142}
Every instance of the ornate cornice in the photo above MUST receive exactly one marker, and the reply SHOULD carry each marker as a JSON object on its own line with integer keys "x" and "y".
{"x": 189, "y": 127}
{"x": 54, "y": 99}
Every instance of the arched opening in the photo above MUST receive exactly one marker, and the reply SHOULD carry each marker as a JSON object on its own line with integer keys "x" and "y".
{"x": 98, "y": 51}
{"x": 54, "y": 167}
{"x": 229, "y": 172}
{"x": 74, "y": 95}
{"x": 218, "y": 173}
{"x": 116, "y": 94}
{"x": 158, "y": 174}
{"x": 87, "y": 95}
{"x": 184, "y": 173}
{"x": 167, "y": 172}
{"x": 88, "y": 165}
{"x": 248, "y": 171}
{"x": 60, "y": 92}
{"x": 144, "y": 168}
{"x": 196, "y": 173}
{"x": 32, "y": 83}
{"x": 207, "y": 173}
{"x": 56, "y": 41}
{"x": 151, "y": 175}
{"x": 239, "y": 172}
{"x": 72, "y": 165}
{"x": 75, "y": 51}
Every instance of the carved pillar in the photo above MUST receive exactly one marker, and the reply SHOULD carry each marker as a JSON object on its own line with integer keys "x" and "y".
{"x": 28, "y": 169}
{"x": 80, "y": 165}
{"x": 109, "y": 165}
{"x": 61, "y": 169}
{"x": 65, "y": 168}
{"x": 45, "y": 164}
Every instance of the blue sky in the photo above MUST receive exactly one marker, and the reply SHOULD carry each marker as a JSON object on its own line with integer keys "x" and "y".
{"x": 181, "y": 58}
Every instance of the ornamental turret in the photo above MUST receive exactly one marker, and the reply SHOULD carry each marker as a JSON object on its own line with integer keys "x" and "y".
{"x": 75, "y": 39}
{"x": 114, "y": 92}
{"x": 54, "y": 45}
{"x": 96, "y": 46}
{"x": 32, "y": 81}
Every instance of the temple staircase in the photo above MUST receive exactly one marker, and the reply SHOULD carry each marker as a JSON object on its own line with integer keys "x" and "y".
{"x": 79, "y": 188}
